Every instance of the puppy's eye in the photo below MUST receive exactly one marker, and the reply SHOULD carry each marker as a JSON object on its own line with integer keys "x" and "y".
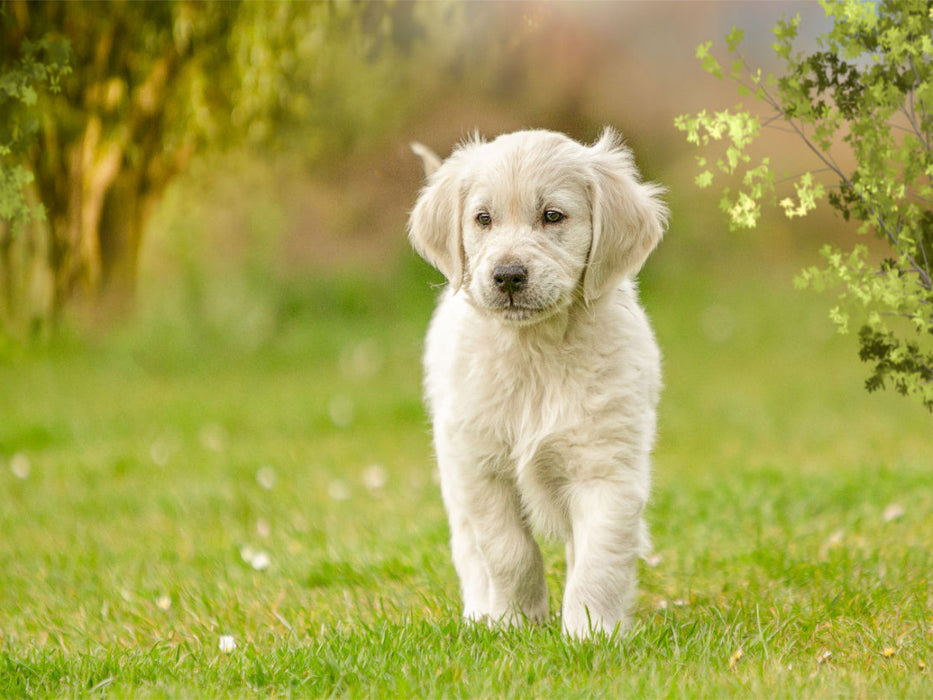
{"x": 552, "y": 216}
{"x": 484, "y": 218}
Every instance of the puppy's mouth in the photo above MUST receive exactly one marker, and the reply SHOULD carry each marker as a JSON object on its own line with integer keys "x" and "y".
{"x": 515, "y": 313}
{"x": 514, "y": 309}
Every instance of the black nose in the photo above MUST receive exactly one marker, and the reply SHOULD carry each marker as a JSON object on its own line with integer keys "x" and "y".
{"x": 510, "y": 278}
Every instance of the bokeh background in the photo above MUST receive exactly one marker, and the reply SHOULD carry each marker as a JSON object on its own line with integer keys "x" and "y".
{"x": 336, "y": 199}
{"x": 292, "y": 162}
{"x": 241, "y": 233}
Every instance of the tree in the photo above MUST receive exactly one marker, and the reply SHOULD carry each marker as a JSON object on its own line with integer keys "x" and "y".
{"x": 153, "y": 84}
{"x": 868, "y": 90}
{"x": 39, "y": 68}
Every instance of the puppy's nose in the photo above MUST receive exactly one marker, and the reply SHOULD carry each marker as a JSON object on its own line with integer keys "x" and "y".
{"x": 510, "y": 278}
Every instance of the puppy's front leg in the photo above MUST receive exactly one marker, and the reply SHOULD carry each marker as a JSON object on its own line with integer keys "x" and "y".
{"x": 468, "y": 560}
{"x": 606, "y": 542}
{"x": 510, "y": 553}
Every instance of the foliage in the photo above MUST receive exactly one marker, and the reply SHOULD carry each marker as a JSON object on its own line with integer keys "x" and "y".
{"x": 321, "y": 76}
{"x": 152, "y": 85}
{"x": 868, "y": 90}
{"x": 40, "y": 67}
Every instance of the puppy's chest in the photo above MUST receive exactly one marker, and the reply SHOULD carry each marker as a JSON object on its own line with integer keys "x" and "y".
{"x": 526, "y": 407}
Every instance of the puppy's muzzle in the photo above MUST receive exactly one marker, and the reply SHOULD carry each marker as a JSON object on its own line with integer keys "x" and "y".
{"x": 510, "y": 279}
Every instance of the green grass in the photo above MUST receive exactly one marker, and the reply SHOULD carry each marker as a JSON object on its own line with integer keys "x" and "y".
{"x": 141, "y": 474}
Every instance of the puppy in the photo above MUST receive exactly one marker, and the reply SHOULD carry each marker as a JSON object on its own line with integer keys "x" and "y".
{"x": 542, "y": 373}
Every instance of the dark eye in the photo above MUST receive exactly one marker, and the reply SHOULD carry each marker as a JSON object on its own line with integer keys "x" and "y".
{"x": 552, "y": 216}
{"x": 484, "y": 218}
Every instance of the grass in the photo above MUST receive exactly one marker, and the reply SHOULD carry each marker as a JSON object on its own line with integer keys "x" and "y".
{"x": 166, "y": 487}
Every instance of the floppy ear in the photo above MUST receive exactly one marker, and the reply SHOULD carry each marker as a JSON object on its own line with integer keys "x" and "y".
{"x": 628, "y": 216}
{"x": 434, "y": 227}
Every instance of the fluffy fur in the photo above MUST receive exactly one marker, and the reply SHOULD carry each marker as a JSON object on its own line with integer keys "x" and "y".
{"x": 542, "y": 373}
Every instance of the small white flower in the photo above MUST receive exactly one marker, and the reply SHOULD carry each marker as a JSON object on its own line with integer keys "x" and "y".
{"x": 257, "y": 559}
{"x": 653, "y": 560}
{"x": 375, "y": 477}
{"x": 161, "y": 450}
{"x": 20, "y": 466}
{"x": 163, "y": 602}
{"x": 340, "y": 409}
{"x": 212, "y": 437}
{"x": 263, "y": 528}
{"x": 260, "y": 561}
{"x": 893, "y": 512}
{"x": 265, "y": 477}
{"x": 227, "y": 643}
{"x": 338, "y": 490}
{"x": 834, "y": 540}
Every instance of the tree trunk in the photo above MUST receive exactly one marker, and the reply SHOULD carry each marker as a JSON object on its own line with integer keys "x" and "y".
{"x": 120, "y": 234}
{"x": 26, "y": 281}
{"x": 73, "y": 180}
{"x": 97, "y": 234}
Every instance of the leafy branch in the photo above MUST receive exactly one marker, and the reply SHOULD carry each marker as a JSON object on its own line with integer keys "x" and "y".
{"x": 867, "y": 86}
{"x": 40, "y": 67}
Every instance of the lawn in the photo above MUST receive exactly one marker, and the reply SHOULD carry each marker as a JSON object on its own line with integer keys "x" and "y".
{"x": 192, "y": 513}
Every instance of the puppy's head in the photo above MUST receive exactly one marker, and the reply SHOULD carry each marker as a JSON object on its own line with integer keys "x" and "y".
{"x": 533, "y": 221}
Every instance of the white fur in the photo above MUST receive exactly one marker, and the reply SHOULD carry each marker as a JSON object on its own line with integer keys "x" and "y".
{"x": 543, "y": 399}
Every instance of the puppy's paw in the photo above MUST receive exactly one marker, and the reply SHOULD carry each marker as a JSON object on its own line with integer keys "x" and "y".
{"x": 579, "y": 623}
{"x": 513, "y": 617}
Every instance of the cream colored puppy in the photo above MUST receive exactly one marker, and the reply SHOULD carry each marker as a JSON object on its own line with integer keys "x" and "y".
{"x": 542, "y": 373}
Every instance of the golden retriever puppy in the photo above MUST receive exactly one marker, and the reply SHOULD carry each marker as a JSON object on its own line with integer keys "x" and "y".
{"x": 542, "y": 373}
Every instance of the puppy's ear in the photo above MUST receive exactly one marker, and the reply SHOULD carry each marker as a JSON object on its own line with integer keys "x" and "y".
{"x": 629, "y": 218}
{"x": 429, "y": 159}
{"x": 434, "y": 227}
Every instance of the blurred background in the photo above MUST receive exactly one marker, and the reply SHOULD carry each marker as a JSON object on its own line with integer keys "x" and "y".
{"x": 202, "y": 162}
{"x": 333, "y": 197}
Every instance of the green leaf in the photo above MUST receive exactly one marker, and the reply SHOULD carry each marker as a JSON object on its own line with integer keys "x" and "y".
{"x": 704, "y": 179}
{"x": 710, "y": 64}
{"x": 734, "y": 38}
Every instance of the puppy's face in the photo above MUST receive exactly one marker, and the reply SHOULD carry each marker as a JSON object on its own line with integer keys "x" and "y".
{"x": 533, "y": 221}
{"x": 527, "y": 227}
